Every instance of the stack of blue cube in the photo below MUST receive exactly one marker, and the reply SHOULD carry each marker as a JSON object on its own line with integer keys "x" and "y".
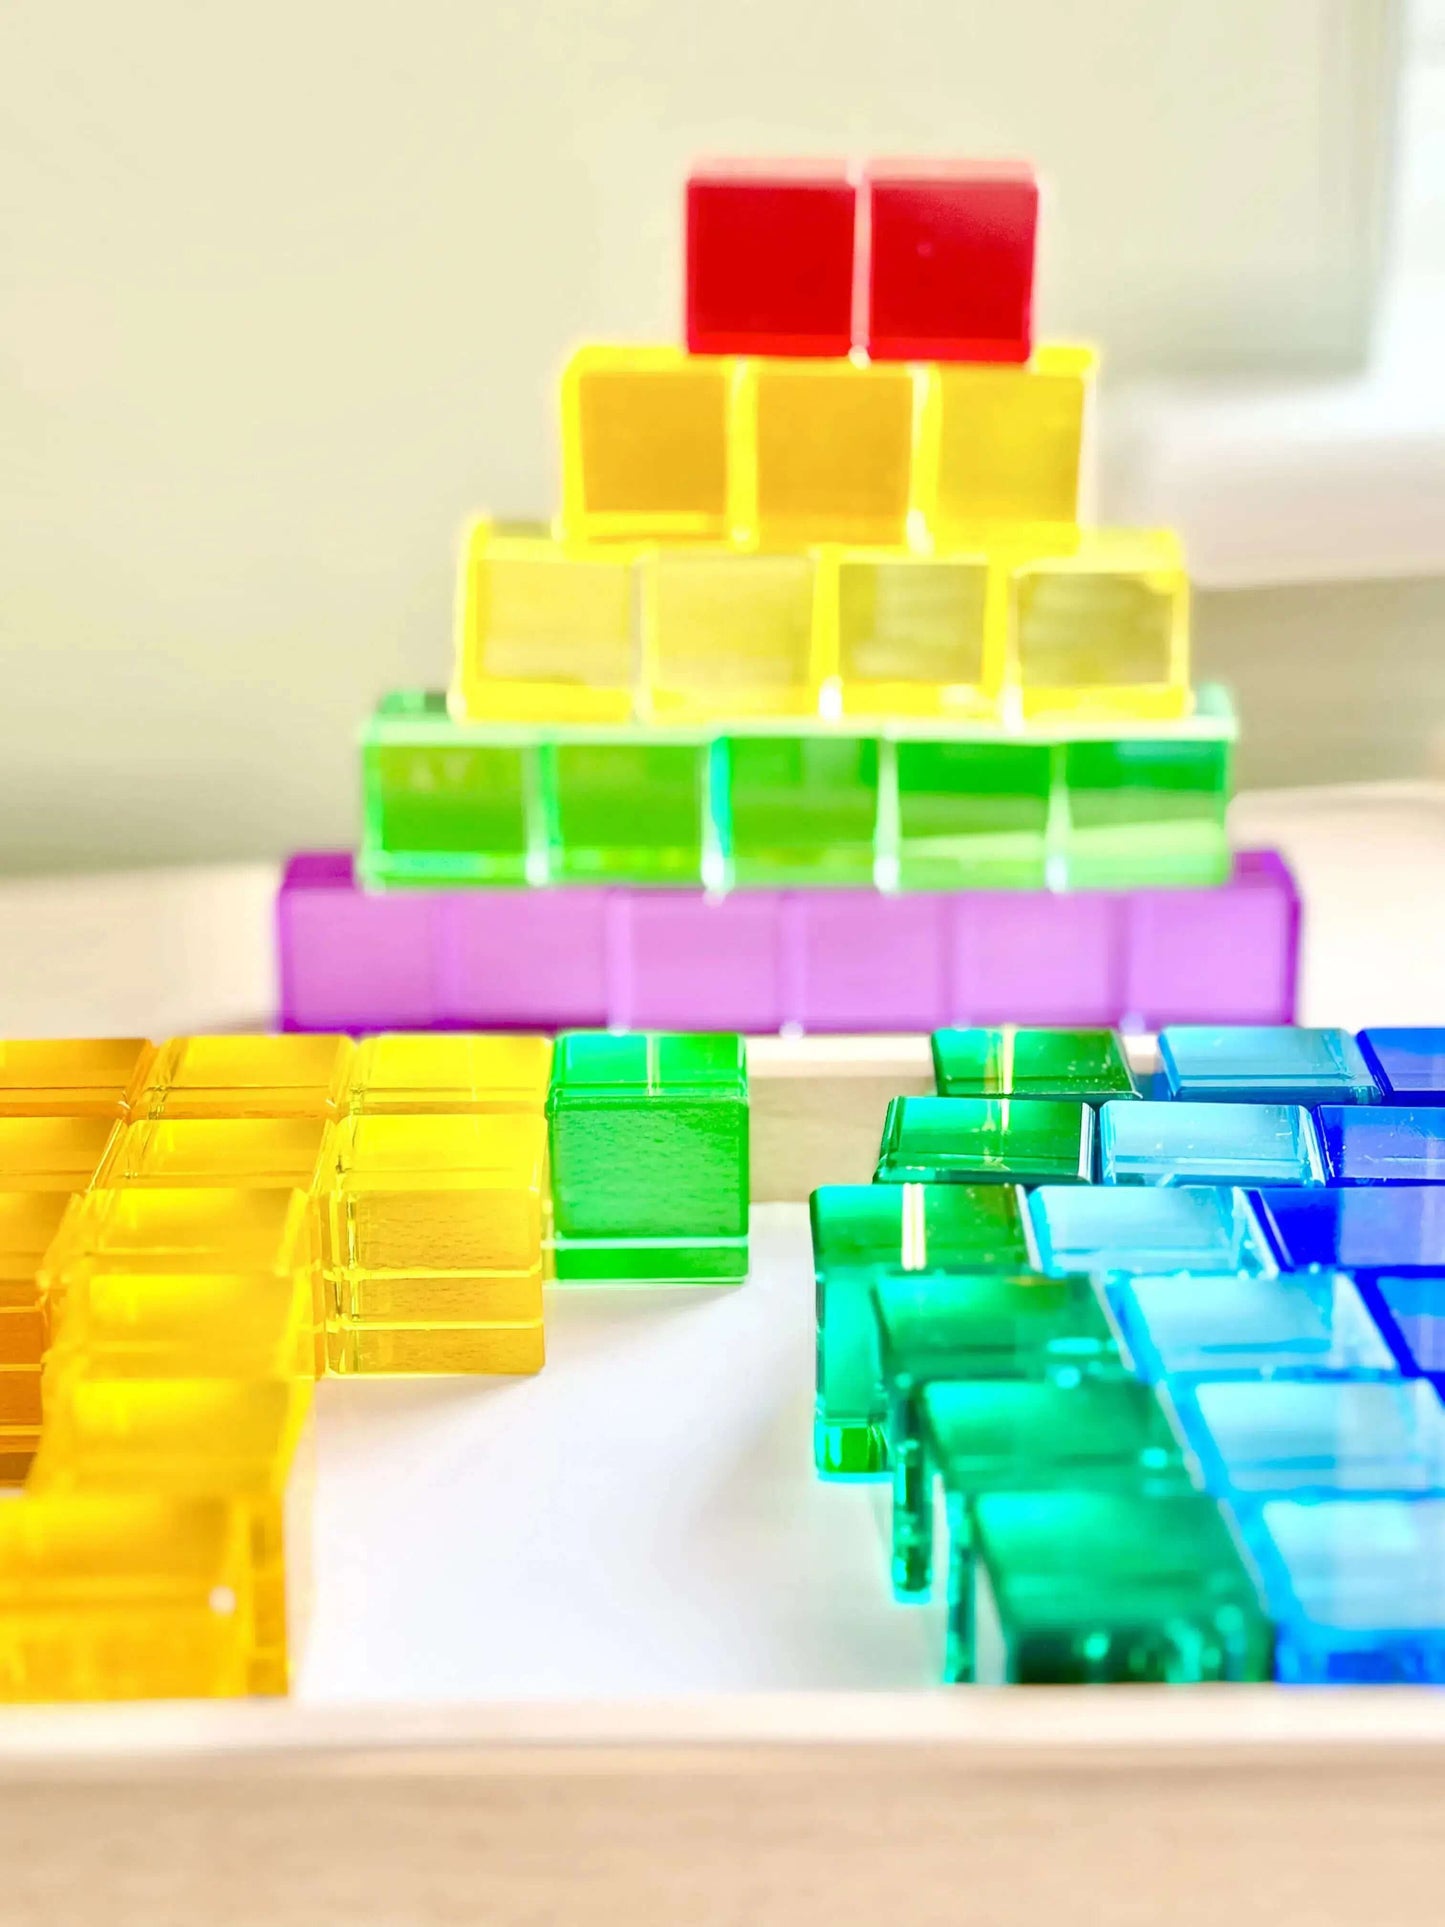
{"x": 1268, "y": 1229}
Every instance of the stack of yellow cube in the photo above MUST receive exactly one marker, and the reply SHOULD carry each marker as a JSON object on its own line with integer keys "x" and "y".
{"x": 189, "y": 1238}
{"x": 754, "y": 537}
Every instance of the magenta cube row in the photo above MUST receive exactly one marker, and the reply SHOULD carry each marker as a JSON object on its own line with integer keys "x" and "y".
{"x": 762, "y": 960}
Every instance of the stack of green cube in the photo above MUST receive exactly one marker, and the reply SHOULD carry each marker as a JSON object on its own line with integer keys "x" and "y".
{"x": 1079, "y": 1549}
{"x": 806, "y": 803}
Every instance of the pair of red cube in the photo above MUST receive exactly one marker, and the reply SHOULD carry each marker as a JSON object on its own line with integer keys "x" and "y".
{"x": 926, "y": 262}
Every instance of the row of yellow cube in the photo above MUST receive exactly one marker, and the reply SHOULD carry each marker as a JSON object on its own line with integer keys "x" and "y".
{"x": 190, "y": 1235}
{"x": 660, "y": 445}
{"x": 1090, "y": 620}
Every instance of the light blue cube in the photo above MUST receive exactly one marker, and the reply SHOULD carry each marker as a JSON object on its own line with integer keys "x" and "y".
{"x": 1101, "y": 1229}
{"x": 1264, "y": 1063}
{"x": 1192, "y": 1143}
{"x": 1242, "y": 1326}
{"x": 1356, "y": 1588}
{"x": 1270, "y": 1438}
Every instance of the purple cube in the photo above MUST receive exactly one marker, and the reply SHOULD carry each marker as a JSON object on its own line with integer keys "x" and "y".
{"x": 860, "y": 960}
{"x": 350, "y": 961}
{"x": 1035, "y": 957}
{"x": 1223, "y": 956}
{"x": 524, "y": 959}
{"x": 673, "y": 954}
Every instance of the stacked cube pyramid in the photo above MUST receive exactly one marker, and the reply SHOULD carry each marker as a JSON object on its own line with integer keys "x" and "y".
{"x": 820, "y": 621}
{"x": 1166, "y": 1345}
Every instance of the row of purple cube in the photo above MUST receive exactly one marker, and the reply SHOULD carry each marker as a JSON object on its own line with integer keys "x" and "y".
{"x": 764, "y": 960}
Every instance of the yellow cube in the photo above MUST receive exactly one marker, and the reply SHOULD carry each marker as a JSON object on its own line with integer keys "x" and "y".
{"x": 545, "y": 633}
{"x": 437, "y": 1219}
{"x": 728, "y": 635}
{"x": 107, "y": 1596}
{"x": 52, "y": 1153}
{"x": 237, "y": 1153}
{"x": 248, "y": 1077}
{"x": 414, "y": 1072}
{"x": 913, "y": 634}
{"x": 1003, "y": 444}
{"x": 1104, "y": 628}
{"x": 823, "y": 452}
{"x": 29, "y": 1221}
{"x": 645, "y": 445}
{"x": 204, "y": 1283}
{"x": 71, "y": 1076}
{"x": 365, "y": 1349}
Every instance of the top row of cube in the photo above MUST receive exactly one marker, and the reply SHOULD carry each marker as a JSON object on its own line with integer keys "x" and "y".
{"x": 905, "y": 261}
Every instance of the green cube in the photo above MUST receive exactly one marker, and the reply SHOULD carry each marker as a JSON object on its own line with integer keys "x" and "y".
{"x": 798, "y": 808}
{"x": 1088, "y": 1065}
{"x": 440, "y": 806}
{"x": 1147, "y": 810}
{"x": 628, "y": 808}
{"x": 972, "y": 815}
{"x": 858, "y": 1229}
{"x": 1013, "y": 1140}
{"x": 1069, "y": 1588}
{"x": 649, "y": 1148}
{"x": 940, "y": 1328}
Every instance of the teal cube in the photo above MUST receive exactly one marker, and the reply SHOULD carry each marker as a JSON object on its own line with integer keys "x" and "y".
{"x": 648, "y": 1136}
{"x": 1012, "y": 1140}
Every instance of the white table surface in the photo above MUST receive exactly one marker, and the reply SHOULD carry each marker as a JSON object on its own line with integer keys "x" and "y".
{"x": 641, "y": 1519}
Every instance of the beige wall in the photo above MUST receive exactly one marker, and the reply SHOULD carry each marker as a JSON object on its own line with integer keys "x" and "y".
{"x": 284, "y": 287}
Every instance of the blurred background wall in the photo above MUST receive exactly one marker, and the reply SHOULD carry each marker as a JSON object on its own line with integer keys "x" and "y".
{"x": 284, "y": 290}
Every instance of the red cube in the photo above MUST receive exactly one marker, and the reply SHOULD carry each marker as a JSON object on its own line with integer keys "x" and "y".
{"x": 770, "y": 258}
{"x": 951, "y": 260}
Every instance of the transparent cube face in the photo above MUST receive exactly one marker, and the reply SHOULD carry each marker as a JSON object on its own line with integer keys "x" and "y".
{"x": 294, "y": 1076}
{"x": 915, "y": 627}
{"x": 233, "y": 1152}
{"x": 833, "y": 451}
{"x": 52, "y": 1153}
{"x": 645, "y": 445}
{"x": 551, "y": 617}
{"x": 1008, "y": 442}
{"x": 415, "y": 1072}
{"x": 1094, "y": 627}
{"x": 730, "y": 632}
{"x": 71, "y": 1076}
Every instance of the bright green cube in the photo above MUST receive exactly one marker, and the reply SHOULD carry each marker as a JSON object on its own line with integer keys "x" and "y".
{"x": 628, "y": 808}
{"x": 972, "y": 815}
{"x": 1011, "y": 1140}
{"x": 1075, "y": 1588}
{"x": 1150, "y": 810}
{"x": 938, "y": 1328}
{"x": 858, "y": 1229}
{"x": 440, "y": 806}
{"x": 798, "y": 808}
{"x": 1087, "y": 1065}
{"x": 649, "y": 1147}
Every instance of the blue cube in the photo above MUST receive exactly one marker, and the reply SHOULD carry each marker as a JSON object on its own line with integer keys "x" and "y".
{"x": 1383, "y": 1143}
{"x": 1384, "y": 1228}
{"x": 1264, "y": 1063}
{"x": 1307, "y": 1325}
{"x": 1191, "y": 1143}
{"x": 1408, "y": 1065}
{"x": 1415, "y": 1307}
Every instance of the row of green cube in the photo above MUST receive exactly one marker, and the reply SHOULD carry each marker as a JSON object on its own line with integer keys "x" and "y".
{"x": 448, "y": 803}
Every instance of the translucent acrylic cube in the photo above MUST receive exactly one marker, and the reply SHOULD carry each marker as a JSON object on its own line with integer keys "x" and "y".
{"x": 1189, "y": 1143}
{"x": 1019, "y": 1140}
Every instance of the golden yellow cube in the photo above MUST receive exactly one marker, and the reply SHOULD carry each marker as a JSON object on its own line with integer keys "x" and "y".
{"x": 248, "y": 1077}
{"x": 545, "y": 632}
{"x": 107, "y": 1596}
{"x": 52, "y": 1153}
{"x": 415, "y": 1071}
{"x": 235, "y": 1153}
{"x": 203, "y": 1283}
{"x": 1104, "y": 628}
{"x": 645, "y": 445}
{"x": 729, "y": 635}
{"x": 823, "y": 452}
{"x": 1003, "y": 444}
{"x": 913, "y": 635}
{"x": 71, "y": 1076}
